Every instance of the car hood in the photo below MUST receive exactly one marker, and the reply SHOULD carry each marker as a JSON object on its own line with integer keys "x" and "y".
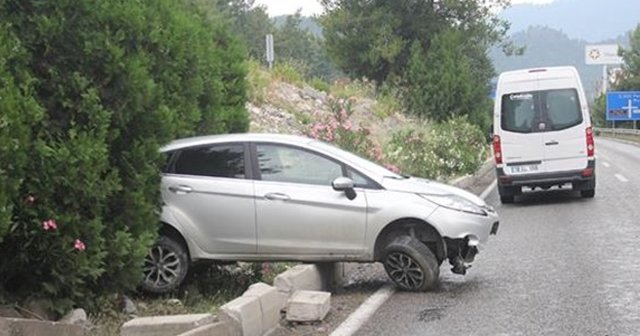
{"x": 428, "y": 187}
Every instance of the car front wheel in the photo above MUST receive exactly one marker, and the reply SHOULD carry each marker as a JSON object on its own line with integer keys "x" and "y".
{"x": 165, "y": 267}
{"x": 411, "y": 264}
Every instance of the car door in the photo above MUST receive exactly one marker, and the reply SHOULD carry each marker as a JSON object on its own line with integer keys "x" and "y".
{"x": 211, "y": 197}
{"x": 297, "y": 210}
{"x": 522, "y": 137}
{"x": 565, "y": 135}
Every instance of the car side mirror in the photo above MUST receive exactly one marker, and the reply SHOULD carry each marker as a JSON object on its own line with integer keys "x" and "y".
{"x": 345, "y": 184}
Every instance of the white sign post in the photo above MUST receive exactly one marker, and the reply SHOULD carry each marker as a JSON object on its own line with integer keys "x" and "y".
{"x": 602, "y": 54}
{"x": 270, "y": 55}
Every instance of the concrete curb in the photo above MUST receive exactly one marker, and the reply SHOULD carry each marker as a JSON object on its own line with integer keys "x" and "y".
{"x": 20, "y": 327}
{"x": 170, "y": 325}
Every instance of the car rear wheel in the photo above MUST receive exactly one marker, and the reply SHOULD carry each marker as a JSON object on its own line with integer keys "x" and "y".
{"x": 411, "y": 264}
{"x": 165, "y": 267}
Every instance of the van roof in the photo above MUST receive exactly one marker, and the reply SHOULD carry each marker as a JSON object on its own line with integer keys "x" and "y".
{"x": 539, "y": 73}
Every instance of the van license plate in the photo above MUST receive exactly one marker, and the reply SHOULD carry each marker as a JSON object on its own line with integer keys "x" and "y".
{"x": 524, "y": 168}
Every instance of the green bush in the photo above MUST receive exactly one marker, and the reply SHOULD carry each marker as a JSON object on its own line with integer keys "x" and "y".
{"x": 320, "y": 85}
{"x": 290, "y": 71}
{"x": 441, "y": 151}
{"x": 95, "y": 88}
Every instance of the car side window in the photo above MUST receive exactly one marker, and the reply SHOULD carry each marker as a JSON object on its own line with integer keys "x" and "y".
{"x": 358, "y": 179}
{"x": 220, "y": 160}
{"x": 288, "y": 164}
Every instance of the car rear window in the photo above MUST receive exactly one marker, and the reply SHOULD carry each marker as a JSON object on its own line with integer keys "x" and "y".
{"x": 213, "y": 161}
{"x": 540, "y": 111}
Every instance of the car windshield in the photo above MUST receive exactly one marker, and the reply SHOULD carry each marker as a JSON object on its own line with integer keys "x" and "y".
{"x": 358, "y": 161}
{"x": 540, "y": 111}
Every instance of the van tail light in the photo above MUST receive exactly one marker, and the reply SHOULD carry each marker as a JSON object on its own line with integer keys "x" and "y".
{"x": 588, "y": 172}
{"x": 591, "y": 148}
{"x": 497, "y": 149}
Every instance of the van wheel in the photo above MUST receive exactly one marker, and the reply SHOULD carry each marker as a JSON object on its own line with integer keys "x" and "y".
{"x": 411, "y": 264}
{"x": 165, "y": 267}
{"x": 589, "y": 193}
{"x": 507, "y": 199}
{"x": 507, "y": 195}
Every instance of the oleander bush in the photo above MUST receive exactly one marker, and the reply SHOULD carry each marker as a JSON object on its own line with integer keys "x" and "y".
{"x": 89, "y": 91}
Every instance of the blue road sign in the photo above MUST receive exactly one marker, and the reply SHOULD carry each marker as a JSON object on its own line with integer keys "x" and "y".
{"x": 623, "y": 105}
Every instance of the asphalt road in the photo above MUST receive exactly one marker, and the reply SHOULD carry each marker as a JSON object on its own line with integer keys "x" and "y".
{"x": 560, "y": 265}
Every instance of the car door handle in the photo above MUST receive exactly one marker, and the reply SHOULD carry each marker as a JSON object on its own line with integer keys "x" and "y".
{"x": 552, "y": 143}
{"x": 180, "y": 189}
{"x": 277, "y": 197}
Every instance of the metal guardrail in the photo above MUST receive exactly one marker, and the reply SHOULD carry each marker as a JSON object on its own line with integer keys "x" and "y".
{"x": 618, "y": 131}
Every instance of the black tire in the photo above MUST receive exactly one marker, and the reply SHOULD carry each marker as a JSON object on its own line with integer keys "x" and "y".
{"x": 507, "y": 195}
{"x": 411, "y": 264}
{"x": 165, "y": 266}
{"x": 507, "y": 199}
{"x": 589, "y": 193}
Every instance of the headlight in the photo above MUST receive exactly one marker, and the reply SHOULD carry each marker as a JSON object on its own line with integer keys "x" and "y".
{"x": 454, "y": 202}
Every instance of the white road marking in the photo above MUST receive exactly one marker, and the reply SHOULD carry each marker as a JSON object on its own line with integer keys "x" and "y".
{"x": 359, "y": 317}
{"x": 364, "y": 312}
{"x": 621, "y": 178}
{"x": 489, "y": 189}
{"x": 606, "y": 164}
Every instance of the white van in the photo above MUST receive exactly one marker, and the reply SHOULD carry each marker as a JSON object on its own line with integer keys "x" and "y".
{"x": 542, "y": 132}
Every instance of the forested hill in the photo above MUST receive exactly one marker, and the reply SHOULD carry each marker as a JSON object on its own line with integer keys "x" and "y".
{"x": 589, "y": 20}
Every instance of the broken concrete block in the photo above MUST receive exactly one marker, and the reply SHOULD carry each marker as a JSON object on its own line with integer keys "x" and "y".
{"x": 308, "y": 306}
{"x": 243, "y": 315}
{"x": 271, "y": 303}
{"x": 169, "y": 325}
{"x": 299, "y": 277}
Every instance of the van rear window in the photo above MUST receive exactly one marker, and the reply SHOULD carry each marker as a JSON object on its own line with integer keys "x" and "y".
{"x": 540, "y": 111}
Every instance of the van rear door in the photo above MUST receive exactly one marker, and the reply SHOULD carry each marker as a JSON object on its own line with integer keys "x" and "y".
{"x": 521, "y": 139}
{"x": 565, "y": 130}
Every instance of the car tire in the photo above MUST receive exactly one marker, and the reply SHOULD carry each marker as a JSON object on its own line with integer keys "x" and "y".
{"x": 411, "y": 265}
{"x": 165, "y": 266}
{"x": 589, "y": 193}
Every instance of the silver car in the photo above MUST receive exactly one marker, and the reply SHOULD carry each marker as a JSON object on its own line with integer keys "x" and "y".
{"x": 266, "y": 197}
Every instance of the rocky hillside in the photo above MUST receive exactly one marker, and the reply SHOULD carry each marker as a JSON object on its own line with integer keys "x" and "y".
{"x": 292, "y": 109}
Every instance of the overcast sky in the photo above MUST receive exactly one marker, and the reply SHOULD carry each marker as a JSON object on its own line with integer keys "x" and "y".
{"x": 311, "y": 7}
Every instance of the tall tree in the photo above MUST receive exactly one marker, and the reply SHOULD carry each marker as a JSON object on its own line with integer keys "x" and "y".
{"x": 374, "y": 38}
{"x": 630, "y": 77}
{"x": 442, "y": 84}
{"x": 248, "y": 20}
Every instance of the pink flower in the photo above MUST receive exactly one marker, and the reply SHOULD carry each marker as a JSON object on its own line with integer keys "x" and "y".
{"x": 348, "y": 125}
{"x": 49, "y": 225}
{"x": 79, "y": 245}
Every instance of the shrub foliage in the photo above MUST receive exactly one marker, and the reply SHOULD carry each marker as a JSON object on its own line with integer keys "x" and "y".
{"x": 89, "y": 90}
{"x": 452, "y": 148}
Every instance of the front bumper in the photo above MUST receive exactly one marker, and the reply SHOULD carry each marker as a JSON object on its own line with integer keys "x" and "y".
{"x": 476, "y": 229}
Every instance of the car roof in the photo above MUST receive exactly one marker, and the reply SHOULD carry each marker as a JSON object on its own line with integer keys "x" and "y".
{"x": 235, "y": 137}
